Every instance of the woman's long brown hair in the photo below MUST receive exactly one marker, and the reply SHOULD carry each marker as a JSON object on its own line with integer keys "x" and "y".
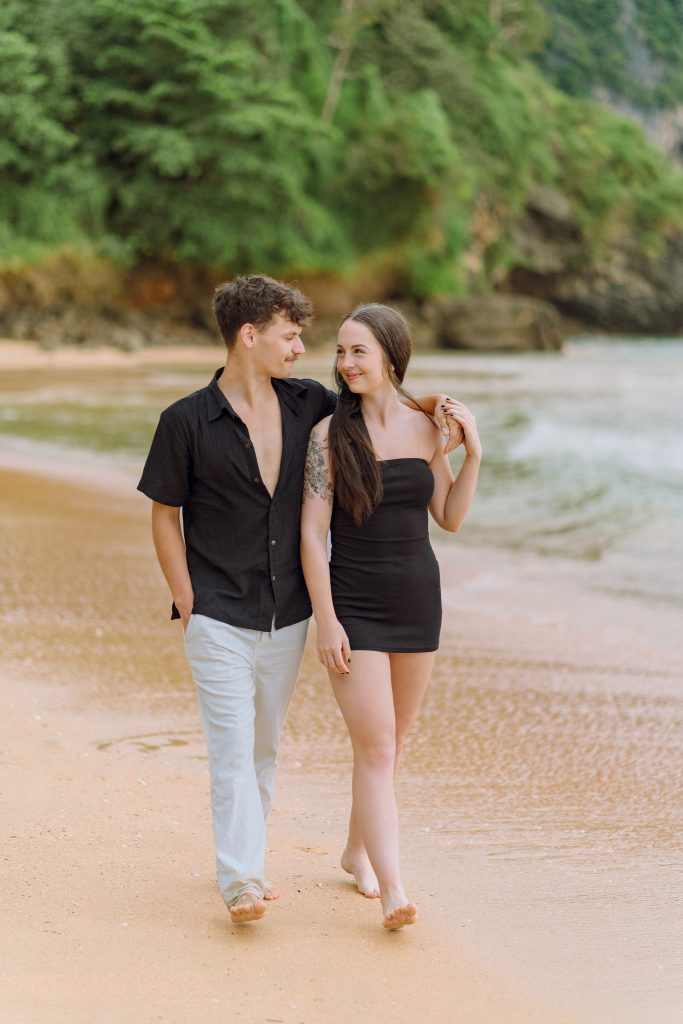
{"x": 353, "y": 461}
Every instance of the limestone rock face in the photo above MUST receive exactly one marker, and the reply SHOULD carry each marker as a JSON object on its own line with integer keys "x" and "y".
{"x": 495, "y": 323}
{"x": 626, "y": 289}
{"x": 546, "y": 238}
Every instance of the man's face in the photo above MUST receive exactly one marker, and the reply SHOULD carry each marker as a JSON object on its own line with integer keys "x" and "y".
{"x": 278, "y": 345}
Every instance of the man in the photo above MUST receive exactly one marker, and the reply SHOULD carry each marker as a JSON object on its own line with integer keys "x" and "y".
{"x": 231, "y": 456}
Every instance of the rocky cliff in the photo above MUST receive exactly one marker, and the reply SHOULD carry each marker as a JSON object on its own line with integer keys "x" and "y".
{"x": 626, "y": 288}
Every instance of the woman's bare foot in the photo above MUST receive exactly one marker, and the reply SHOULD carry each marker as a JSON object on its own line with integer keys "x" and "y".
{"x": 360, "y": 867}
{"x": 398, "y": 912}
{"x": 271, "y": 892}
{"x": 247, "y": 907}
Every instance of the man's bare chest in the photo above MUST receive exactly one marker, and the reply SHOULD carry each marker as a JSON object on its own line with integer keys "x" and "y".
{"x": 265, "y": 434}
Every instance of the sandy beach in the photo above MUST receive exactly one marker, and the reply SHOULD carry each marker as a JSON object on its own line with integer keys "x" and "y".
{"x": 110, "y": 900}
{"x": 542, "y": 798}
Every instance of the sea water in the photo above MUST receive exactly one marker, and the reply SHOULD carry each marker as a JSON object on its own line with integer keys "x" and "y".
{"x": 583, "y": 456}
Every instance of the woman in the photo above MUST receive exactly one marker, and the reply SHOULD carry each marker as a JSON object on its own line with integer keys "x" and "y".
{"x": 373, "y": 469}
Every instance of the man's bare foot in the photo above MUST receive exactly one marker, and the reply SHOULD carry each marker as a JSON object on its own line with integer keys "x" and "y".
{"x": 271, "y": 892}
{"x": 360, "y": 867}
{"x": 405, "y": 913}
{"x": 247, "y": 907}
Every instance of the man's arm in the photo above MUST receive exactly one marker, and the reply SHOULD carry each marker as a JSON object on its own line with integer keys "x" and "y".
{"x": 441, "y": 408}
{"x": 170, "y": 549}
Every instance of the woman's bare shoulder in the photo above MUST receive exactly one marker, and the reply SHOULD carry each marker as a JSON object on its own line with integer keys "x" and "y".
{"x": 423, "y": 427}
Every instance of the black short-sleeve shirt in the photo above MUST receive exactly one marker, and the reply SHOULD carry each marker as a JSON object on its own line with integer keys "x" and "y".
{"x": 242, "y": 545}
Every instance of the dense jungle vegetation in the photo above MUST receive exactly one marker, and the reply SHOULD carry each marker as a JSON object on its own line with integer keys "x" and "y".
{"x": 634, "y": 48}
{"x": 323, "y": 135}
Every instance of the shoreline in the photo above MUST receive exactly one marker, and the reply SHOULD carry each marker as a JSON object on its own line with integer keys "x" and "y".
{"x": 485, "y": 568}
{"x": 28, "y": 355}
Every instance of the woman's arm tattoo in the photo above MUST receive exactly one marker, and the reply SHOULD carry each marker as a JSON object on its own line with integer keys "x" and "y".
{"x": 316, "y": 478}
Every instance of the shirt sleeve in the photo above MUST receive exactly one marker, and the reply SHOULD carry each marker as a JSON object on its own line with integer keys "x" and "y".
{"x": 168, "y": 469}
{"x": 323, "y": 401}
{"x": 331, "y": 403}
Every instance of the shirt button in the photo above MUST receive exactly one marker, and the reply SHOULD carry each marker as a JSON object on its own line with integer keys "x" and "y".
{"x": 257, "y": 479}
{"x": 247, "y": 445}
{"x": 273, "y": 577}
{"x": 273, "y": 542}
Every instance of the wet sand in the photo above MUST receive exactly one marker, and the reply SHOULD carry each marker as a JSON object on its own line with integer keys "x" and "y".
{"x": 542, "y": 798}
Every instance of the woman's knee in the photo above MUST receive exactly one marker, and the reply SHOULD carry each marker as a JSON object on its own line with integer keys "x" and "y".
{"x": 377, "y": 751}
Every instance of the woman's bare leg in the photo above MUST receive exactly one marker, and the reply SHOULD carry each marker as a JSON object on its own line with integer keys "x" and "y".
{"x": 410, "y": 675}
{"x": 356, "y": 862}
{"x": 366, "y": 701}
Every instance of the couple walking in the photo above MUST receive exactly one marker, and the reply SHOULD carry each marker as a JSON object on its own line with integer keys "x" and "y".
{"x": 262, "y": 466}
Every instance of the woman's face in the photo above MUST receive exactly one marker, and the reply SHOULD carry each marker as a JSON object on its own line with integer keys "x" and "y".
{"x": 360, "y": 358}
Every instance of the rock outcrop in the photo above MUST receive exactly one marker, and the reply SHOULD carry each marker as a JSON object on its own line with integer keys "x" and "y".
{"x": 495, "y": 323}
{"x": 627, "y": 289}
{"x": 69, "y": 302}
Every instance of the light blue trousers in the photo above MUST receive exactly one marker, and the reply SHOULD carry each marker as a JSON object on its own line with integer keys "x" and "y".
{"x": 244, "y": 680}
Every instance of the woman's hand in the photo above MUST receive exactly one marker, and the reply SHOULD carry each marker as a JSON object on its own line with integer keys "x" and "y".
{"x": 449, "y": 426}
{"x": 334, "y": 650}
{"x": 451, "y": 499}
{"x": 460, "y": 414}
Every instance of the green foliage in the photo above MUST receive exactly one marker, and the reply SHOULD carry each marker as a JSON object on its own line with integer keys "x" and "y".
{"x": 587, "y": 45}
{"x": 38, "y": 209}
{"x": 613, "y": 177}
{"x": 637, "y": 55}
{"x": 307, "y": 135}
{"x": 661, "y": 22}
{"x": 207, "y": 153}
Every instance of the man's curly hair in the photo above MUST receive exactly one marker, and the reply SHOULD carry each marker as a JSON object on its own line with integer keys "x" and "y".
{"x": 256, "y": 300}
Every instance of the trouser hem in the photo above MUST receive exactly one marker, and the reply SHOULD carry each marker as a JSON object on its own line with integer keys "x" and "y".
{"x": 240, "y": 892}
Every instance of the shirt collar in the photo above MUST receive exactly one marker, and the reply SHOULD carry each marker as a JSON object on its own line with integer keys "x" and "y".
{"x": 217, "y": 402}
{"x": 290, "y": 392}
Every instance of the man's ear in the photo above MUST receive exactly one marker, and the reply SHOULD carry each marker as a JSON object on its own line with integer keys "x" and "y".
{"x": 247, "y": 335}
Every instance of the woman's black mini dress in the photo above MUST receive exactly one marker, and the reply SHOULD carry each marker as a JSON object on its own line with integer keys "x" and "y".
{"x": 384, "y": 574}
